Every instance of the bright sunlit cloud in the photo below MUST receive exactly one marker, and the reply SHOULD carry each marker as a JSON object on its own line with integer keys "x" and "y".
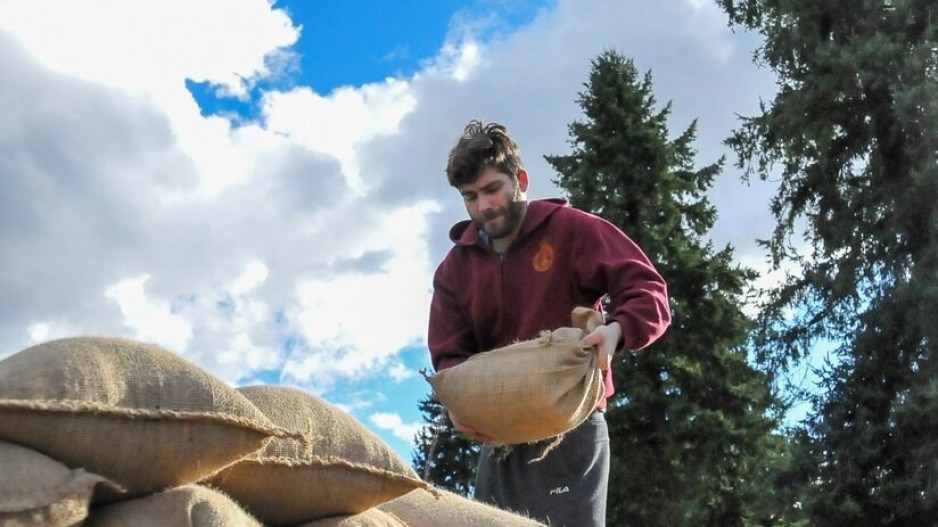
{"x": 149, "y": 49}
{"x": 357, "y": 321}
{"x": 338, "y": 124}
{"x": 394, "y": 423}
{"x": 151, "y": 46}
{"x": 152, "y": 320}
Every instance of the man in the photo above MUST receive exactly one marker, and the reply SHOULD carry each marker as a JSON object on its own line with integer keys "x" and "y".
{"x": 518, "y": 268}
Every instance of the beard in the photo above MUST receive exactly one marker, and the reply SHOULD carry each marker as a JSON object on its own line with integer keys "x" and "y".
{"x": 500, "y": 223}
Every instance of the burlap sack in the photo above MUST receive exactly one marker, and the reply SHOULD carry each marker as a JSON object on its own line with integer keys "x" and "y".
{"x": 185, "y": 506}
{"x": 133, "y": 413}
{"x": 369, "y": 518}
{"x": 38, "y": 491}
{"x": 347, "y": 471}
{"x": 527, "y": 391}
{"x": 422, "y": 509}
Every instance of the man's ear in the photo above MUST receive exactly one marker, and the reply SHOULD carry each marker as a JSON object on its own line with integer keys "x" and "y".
{"x": 523, "y": 180}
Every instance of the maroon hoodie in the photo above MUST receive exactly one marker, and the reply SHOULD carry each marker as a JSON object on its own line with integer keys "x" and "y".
{"x": 562, "y": 258}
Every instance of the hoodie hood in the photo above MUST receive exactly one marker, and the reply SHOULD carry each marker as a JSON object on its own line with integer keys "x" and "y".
{"x": 465, "y": 233}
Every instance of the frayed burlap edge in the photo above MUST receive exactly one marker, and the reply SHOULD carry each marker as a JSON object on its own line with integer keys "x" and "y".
{"x": 91, "y": 407}
{"x": 333, "y": 461}
{"x": 501, "y": 452}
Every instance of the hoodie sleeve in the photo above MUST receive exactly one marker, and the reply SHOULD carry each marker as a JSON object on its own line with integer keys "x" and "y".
{"x": 611, "y": 262}
{"x": 449, "y": 335}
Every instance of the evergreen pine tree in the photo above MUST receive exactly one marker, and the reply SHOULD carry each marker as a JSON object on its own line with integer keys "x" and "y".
{"x": 444, "y": 457}
{"x": 690, "y": 428}
{"x": 853, "y": 133}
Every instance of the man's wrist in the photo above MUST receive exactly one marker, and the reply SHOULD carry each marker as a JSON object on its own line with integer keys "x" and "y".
{"x": 616, "y": 326}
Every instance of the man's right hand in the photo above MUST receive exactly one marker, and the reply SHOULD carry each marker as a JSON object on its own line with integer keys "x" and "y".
{"x": 471, "y": 432}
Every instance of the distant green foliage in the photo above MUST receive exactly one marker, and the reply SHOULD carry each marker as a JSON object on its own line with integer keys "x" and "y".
{"x": 691, "y": 424}
{"x": 853, "y": 137}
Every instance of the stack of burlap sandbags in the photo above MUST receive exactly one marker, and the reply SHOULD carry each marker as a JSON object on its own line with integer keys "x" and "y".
{"x": 110, "y": 432}
{"x": 528, "y": 391}
{"x": 433, "y": 508}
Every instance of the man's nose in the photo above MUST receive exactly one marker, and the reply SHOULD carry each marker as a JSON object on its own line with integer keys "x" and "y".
{"x": 486, "y": 203}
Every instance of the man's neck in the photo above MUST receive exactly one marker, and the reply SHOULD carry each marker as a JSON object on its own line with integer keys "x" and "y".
{"x": 501, "y": 245}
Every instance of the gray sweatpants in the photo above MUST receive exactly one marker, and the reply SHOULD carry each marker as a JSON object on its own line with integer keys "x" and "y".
{"x": 565, "y": 489}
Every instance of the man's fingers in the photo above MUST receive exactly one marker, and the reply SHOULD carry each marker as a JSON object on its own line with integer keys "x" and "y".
{"x": 468, "y": 431}
{"x": 473, "y": 433}
{"x": 479, "y": 436}
{"x": 596, "y": 339}
{"x": 592, "y": 339}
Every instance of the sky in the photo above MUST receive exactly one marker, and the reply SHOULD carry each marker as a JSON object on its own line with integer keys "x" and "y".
{"x": 259, "y": 186}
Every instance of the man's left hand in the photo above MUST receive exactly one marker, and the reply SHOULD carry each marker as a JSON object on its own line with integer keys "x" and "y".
{"x": 606, "y": 339}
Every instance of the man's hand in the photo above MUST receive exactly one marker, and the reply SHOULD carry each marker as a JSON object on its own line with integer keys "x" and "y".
{"x": 606, "y": 340}
{"x": 471, "y": 432}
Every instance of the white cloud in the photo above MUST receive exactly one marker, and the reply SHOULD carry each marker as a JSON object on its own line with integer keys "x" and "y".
{"x": 458, "y": 59}
{"x": 38, "y": 332}
{"x": 215, "y": 326}
{"x": 338, "y": 124}
{"x": 356, "y": 321}
{"x": 398, "y": 372}
{"x": 255, "y": 273}
{"x": 152, "y": 320}
{"x": 45, "y": 331}
{"x": 394, "y": 423}
{"x": 151, "y": 48}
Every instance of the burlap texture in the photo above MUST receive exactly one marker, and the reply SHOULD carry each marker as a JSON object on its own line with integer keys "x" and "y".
{"x": 347, "y": 471}
{"x": 133, "y": 413}
{"x": 185, "y": 506}
{"x": 528, "y": 391}
{"x": 38, "y": 491}
{"x": 423, "y": 509}
{"x": 369, "y": 518}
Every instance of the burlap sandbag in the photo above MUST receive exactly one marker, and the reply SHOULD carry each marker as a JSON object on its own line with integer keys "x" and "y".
{"x": 530, "y": 390}
{"x": 133, "y": 413}
{"x": 422, "y": 509}
{"x": 349, "y": 469}
{"x": 38, "y": 491}
{"x": 185, "y": 506}
{"x": 369, "y": 518}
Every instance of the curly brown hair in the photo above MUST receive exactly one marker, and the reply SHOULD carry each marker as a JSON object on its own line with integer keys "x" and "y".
{"x": 482, "y": 145}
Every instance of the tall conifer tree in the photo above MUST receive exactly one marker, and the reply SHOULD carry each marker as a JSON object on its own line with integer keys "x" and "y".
{"x": 853, "y": 136}
{"x": 444, "y": 457}
{"x": 689, "y": 424}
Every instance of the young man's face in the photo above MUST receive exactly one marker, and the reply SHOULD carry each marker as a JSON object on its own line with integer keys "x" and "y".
{"x": 495, "y": 201}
